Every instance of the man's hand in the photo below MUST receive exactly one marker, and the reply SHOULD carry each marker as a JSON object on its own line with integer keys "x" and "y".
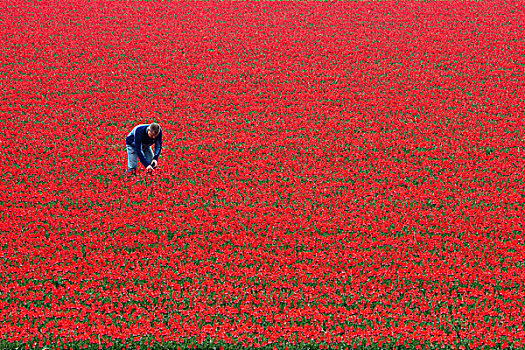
{"x": 153, "y": 163}
{"x": 149, "y": 169}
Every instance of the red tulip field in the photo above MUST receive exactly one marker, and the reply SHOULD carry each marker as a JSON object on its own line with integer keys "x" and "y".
{"x": 333, "y": 175}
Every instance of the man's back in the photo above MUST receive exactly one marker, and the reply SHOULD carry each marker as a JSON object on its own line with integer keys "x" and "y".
{"x": 141, "y": 129}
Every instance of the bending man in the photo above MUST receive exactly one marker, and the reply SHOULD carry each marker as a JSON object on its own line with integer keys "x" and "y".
{"x": 138, "y": 144}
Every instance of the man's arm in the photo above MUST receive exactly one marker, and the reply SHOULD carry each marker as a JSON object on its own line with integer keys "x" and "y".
{"x": 139, "y": 134}
{"x": 158, "y": 147}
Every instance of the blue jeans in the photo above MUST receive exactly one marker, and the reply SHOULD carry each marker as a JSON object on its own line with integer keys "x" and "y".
{"x": 133, "y": 157}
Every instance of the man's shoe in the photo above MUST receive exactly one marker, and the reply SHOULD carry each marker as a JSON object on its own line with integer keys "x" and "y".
{"x": 131, "y": 172}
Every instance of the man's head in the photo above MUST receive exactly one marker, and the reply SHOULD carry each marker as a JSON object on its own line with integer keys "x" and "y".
{"x": 153, "y": 130}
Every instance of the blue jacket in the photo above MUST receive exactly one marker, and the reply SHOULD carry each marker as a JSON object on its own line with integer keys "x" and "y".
{"x": 139, "y": 138}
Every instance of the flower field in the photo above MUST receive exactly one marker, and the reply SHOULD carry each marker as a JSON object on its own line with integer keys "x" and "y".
{"x": 334, "y": 175}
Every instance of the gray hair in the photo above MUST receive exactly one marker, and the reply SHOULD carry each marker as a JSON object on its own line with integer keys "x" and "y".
{"x": 155, "y": 128}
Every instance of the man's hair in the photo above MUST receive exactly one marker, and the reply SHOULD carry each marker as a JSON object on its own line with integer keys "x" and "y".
{"x": 155, "y": 128}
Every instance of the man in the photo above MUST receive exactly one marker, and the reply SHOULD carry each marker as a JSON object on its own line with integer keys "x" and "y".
{"x": 138, "y": 144}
